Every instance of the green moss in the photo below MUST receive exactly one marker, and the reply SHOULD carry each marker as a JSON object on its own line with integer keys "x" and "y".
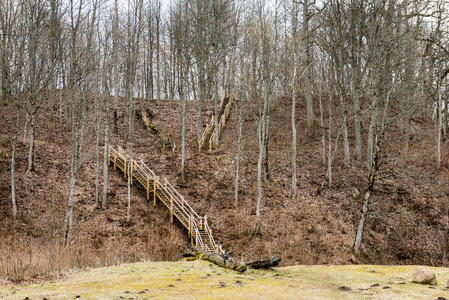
{"x": 202, "y": 280}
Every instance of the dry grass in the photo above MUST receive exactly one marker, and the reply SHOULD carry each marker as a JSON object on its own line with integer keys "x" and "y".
{"x": 202, "y": 280}
{"x": 30, "y": 261}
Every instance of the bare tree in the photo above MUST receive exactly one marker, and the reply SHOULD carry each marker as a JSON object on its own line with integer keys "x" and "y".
{"x": 307, "y": 61}
{"x": 9, "y": 13}
{"x": 18, "y": 77}
{"x": 80, "y": 83}
{"x": 267, "y": 68}
{"x": 40, "y": 66}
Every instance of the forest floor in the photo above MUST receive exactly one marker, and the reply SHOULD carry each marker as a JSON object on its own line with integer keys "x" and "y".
{"x": 408, "y": 224}
{"x": 202, "y": 280}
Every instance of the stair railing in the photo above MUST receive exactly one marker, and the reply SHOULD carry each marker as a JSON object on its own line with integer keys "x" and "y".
{"x": 177, "y": 204}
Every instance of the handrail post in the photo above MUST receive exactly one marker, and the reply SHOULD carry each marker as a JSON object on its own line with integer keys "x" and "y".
{"x": 188, "y": 228}
{"x": 115, "y": 160}
{"x": 171, "y": 209}
{"x": 148, "y": 187}
{"x": 131, "y": 171}
{"x": 154, "y": 192}
{"x": 125, "y": 164}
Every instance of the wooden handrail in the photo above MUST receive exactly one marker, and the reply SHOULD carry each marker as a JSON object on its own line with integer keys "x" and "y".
{"x": 167, "y": 194}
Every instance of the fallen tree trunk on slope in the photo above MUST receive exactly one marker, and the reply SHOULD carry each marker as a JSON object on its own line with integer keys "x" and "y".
{"x": 264, "y": 263}
{"x": 224, "y": 261}
{"x": 161, "y": 141}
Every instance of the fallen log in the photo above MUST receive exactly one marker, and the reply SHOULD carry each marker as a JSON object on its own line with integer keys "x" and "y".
{"x": 161, "y": 141}
{"x": 264, "y": 263}
{"x": 224, "y": 261}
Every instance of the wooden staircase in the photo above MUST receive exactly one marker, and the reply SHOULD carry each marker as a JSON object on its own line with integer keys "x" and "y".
{"x": 198, "y": 229}
{"x": 208, "y": 138}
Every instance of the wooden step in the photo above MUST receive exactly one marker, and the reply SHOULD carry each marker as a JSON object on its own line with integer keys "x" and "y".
{"x": 146, "y": 178}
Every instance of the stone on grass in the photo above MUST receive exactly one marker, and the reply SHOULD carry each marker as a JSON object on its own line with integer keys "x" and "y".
{"x": 424, "y": 276}
{"x": 447, "y": 284}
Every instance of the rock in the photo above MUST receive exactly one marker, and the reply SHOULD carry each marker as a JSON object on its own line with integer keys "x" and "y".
{"x": 447, "y": 283}
{"x": 424, "y": 276}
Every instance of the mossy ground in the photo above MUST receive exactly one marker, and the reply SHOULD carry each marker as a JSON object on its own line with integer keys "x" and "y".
{"x": 202, "y": 280}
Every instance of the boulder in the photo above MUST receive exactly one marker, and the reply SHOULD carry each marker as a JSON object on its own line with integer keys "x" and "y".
{"x": 424, "y": 276}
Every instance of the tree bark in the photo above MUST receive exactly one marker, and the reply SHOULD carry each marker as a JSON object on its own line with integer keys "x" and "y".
{"x": 224, "y": 261}
{"x": 293, "y": 120}
{"x": 264, "y": 263}
{"x": 13, "y": 156}
{"x": 106, "y": 149}
{"x": 306, "y": 63}
{"x": 239, "y": 155}
{"x": 158, "y": 45}
{"x": 77, "y": 150}
{"x": 33, "y": 110}
{"x": 98, "y": 109}
{"x": 183, "y": 141}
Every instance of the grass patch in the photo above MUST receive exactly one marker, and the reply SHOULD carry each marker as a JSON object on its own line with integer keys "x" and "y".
{"x": 202, "y": 280}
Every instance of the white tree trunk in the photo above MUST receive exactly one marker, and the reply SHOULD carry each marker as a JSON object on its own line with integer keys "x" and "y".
{"x": 294, "y": 136}
{"x": 259, "y": 178}
{"x": 440, "y": 124}
{"x": 329, "y": 139}
{"x": 323, "y": 131}
{"x": 372, "y": 125}
{"x": 13, "y": 158}
{"x": 106, "y": 152}
{"x": 345, "y": 130}
{"x": 33, "y": 109}
{"x": 306, "y": 64}
{"x": 97, "y": 147}
{"x": 239, "y": 154}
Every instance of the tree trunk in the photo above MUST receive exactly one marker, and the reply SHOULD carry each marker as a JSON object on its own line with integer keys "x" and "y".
{"x": 257, "y": 229}
{"x": 357, "y": 125}
{"x": 329, "y": 137}
{"x": 97, "y": 147}
{"x": 217, "y": 117}
{"x": 158, "y": 45}
{"x": 183, "y": 142}
{"x": 306, "y": 63}
{"x": 266, "y": 137}
{"x": 200, "y": 101}
{"x": 344, "y": 111}
{"x": 239, "y": 155}
{"x": 375, "y": 166}
{"x": 224, "y": 261}
{"x": 77, "y": 150}
{"x": 372, "y": 124}
{"x": 440, "y": 123}
{"x": 131, "y": 137}
{"x": 293, "y": 120}
{"x": 323, "y": 131}
{"x": 115, "y": 68}
{"x": 13, "y": 156}
{"x": 264, "y": 263}
{"x": 361, "y": 226}
{"x": 106, "y": 151}
{"x": 33, "y": 109}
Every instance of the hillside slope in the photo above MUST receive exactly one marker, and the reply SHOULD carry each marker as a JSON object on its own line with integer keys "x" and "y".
{"x": 407, "y": 226}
